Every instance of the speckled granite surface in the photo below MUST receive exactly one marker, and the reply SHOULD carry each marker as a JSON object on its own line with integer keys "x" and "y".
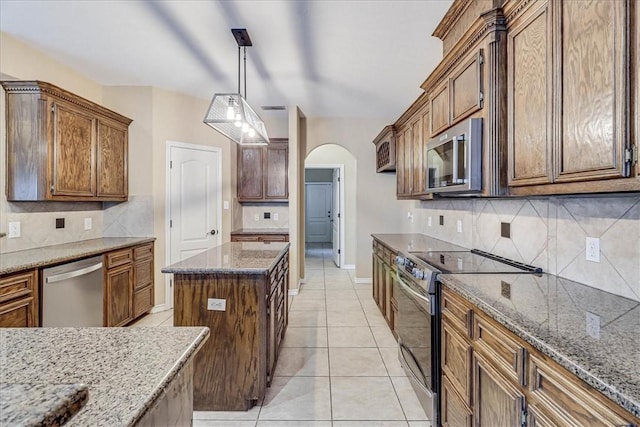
{"x": 125, "y": 369}
{"x": 260, "y": 231}
{"x": 413, "y": 242}
{"x": 232, "y": 258}
{"x": 550, "y": 313}
{"x": 40, "y": 404}
{"x": 48, "y": 255}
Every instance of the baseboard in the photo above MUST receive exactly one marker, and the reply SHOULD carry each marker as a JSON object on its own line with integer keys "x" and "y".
{"x": 363, "y": 280}
{"x": 158, "y": 308}
{"x": 348, "y": 267}
{"x": 293, "y": 292}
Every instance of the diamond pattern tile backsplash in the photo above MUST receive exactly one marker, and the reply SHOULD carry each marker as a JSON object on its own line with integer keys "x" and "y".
{"x": 550, "y": 233}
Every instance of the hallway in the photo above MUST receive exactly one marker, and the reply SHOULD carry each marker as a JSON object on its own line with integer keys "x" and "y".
{"x": 338, "y": 366}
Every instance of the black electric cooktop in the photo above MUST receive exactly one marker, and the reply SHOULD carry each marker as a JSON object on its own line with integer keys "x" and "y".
{"x": 474, "y": 261}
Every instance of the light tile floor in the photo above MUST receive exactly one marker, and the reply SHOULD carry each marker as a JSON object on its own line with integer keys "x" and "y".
{"x": 338, "y": 366}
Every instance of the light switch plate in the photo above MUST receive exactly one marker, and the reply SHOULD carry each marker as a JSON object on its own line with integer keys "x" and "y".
{"x": 256, "y": 217}
{"x": 225, "y": 205}
{"x": 459, "y": 226}
{"x": 215, "y": 304}
{"x": 275, "y": 216}
{"x": 87, "y": 224}
{"x": 429, "y": 221}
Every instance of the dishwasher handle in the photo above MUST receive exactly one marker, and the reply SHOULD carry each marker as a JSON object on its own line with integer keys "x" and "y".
{"x": 74, "y": 273}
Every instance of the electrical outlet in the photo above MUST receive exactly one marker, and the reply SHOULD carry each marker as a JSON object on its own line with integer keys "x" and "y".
{"x": 592, "y": 249}
{"x": 256, "y": 217}
{"x": 593, "y": 325}
{"x": 215, "y": 304}
{"x": 410, "y": 216}
{"x": 14, "y": 229}
{"x": 459, "y": 226}
{"x": 87, "y": 224}
{"x": 275, "y": 216}
{"x": 225, "y": 205}
{"x": 429, "y": 221}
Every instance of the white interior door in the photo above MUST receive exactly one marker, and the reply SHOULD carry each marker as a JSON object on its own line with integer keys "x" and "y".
{"x": 318, "y": 212}
{"x": 194, "y": 202}
{"x": 336, "y": 217}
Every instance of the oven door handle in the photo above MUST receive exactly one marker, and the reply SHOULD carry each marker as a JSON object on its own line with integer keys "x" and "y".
{"x": 407, "y": 288}
{"x": 421, "y": 381}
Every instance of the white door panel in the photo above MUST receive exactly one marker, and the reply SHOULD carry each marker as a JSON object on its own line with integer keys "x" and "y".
{"x": 194, "y": 202}
{"x": 318, "y": 212}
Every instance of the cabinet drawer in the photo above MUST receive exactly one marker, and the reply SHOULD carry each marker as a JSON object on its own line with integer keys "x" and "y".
{"x": 142, "y": 273}
{"x": 457, "y": 312}
{"x": 504, "y": 351}
{"x": 19, "y": 313}
{"x": 142, "y": 301}
{"x": 567, "y": 400}
{"x": 17, "y": 285}
{"x": 120, "y": 257}
{"x": 143, "y": 252}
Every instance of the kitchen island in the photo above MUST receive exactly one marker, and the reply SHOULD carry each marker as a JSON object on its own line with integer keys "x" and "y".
{"x": 238, "y": 290}
{"x": 97, "y": 376}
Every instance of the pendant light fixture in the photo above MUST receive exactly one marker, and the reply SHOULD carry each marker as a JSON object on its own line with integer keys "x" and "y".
{"x": 230, "y": 114}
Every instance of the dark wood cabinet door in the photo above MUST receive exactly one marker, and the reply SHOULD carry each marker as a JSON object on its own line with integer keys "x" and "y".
{"x": 250, "y": 173}
{"x": 456, "y": 362}
{"x": 529, "y": 97}
{"x": 417, "y": 162}
{"x": 276, "y": 180}
{"x": 466, "y": 87}
{"x": 440, "y": 118}
{"x": 73, "y": 151}
{"x": 496, "y": 401}
{"x": 592, "y": 104}
{"x": 112, "y": 156}
{"x": 400, "y": 149}
{"x": 118, "y": 295}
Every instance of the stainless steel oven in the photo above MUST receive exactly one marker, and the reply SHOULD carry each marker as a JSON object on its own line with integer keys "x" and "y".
{"x": 418, "y": 328}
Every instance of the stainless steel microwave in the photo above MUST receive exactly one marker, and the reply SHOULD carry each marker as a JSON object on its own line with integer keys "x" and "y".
{"x": 454, "y": 159}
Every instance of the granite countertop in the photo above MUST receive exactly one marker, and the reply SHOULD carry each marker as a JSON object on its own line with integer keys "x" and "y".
{"x": 550, "y": 313}
{"x": 40, "y": 404}
{"x": 414, "y": 242}
{"x": 232, "y": 258}
{"x": 48, "y": 255}
{"x": 125, "y": 369}
{"x": 261, "y": 231}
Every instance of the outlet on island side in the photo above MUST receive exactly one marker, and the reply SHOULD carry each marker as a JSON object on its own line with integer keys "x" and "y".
{"x": 592, "y": 249}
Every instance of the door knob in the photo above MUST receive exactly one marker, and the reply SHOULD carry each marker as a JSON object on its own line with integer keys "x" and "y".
{"x": 213, "y": 232}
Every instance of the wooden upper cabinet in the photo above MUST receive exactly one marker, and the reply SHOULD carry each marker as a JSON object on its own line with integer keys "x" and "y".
{"x": 73, "y": 150}
{"x": 440, "y": 117}
{"x": 63, "y": 147}
{"x": 529, "y": 97}
{"x": 385, "y": 144}
{"x": 112, "y": 168}
{"x": 569, "y": 98}
{"x": 263, "y": 172}
{"x": 459, "y": 95}
{"x": 593, "y": 85}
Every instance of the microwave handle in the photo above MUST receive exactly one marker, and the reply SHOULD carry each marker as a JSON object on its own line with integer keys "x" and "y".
{"x": 454, "y": 178}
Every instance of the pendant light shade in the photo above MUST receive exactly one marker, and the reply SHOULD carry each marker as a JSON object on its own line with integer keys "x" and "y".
{"x": 230, "y": 114}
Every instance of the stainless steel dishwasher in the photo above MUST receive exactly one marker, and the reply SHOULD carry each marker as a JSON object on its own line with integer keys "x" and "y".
{"x": 73, "y": 294}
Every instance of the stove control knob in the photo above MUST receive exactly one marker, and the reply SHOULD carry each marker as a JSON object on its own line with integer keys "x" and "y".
{"x": 400, "y": 260}
{"x": 418, "y": 273}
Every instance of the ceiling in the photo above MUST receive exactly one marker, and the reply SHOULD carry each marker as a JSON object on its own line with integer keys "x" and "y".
{"x": 349, "y": 58}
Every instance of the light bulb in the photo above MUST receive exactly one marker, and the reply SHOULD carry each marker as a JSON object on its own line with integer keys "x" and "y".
{"x": 237, "y": 123}
{"x": 252, "y": 133}
{"x": 245, "y": 127}
{"x": 238, "y": 117}
{"x": 230, "y": 113}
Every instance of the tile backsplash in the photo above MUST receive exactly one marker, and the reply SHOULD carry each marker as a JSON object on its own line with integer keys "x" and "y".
{"x": 249, "y": 213}
{"x": 550, "y": 233}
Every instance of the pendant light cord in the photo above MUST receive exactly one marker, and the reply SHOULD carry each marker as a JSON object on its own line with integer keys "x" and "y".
{"x": 245, "y": 72}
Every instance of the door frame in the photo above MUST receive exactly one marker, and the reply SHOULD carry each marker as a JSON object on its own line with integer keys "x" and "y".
{"x": 168, "y": 280}
{"x": 339, "y": 166}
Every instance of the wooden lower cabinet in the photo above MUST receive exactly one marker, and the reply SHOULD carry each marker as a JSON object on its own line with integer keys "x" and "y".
{"x": 384, "y": 278}
{"x": 497, "y": 401}
{"x": 128, "y": 286}
{"x": 236, "y": 366}
{"x": 118, "y": 295}
{"x": 19, "y": 300}
{"x": 494, "y": 378}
